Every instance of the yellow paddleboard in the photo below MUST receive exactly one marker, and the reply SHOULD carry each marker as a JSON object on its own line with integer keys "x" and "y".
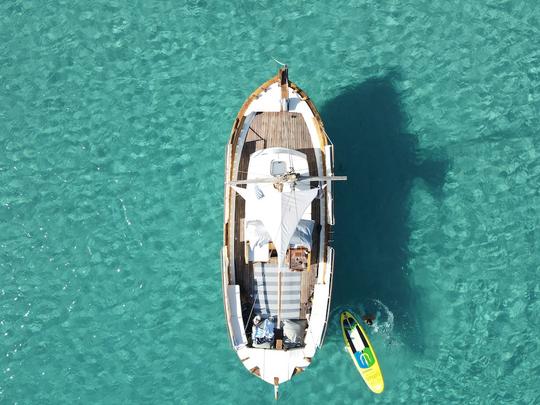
{"x": 361, "y": 351}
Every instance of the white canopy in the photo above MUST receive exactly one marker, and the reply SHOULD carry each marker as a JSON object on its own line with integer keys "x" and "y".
{"x": 280, "y": 213}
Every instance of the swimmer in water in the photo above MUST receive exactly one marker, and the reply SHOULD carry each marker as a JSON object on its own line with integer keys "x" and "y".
{"x": 368, "y": 319}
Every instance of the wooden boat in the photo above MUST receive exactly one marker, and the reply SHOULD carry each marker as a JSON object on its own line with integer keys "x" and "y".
{"x": 277, "y": 265}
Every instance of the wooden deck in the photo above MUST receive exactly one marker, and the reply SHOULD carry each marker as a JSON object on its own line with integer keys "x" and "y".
{"x": 275, "y": 129}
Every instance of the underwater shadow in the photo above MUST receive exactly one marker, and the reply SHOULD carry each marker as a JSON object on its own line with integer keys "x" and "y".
{"x": 372, "y": 147}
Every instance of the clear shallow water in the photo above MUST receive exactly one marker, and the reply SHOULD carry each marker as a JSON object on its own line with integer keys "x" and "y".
{"x": 113, "y": 121}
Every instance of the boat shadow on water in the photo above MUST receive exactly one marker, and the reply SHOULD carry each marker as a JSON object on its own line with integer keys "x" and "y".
{"x": 381, "y": 160}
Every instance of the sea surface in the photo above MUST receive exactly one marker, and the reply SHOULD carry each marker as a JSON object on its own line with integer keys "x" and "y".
{"x": 114, "y": 117}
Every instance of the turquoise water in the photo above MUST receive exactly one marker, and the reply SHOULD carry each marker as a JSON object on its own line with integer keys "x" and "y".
{"x": 113, "y": 121}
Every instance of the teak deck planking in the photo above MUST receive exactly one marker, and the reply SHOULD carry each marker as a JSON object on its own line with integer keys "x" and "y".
{"x": 267, "y": 130}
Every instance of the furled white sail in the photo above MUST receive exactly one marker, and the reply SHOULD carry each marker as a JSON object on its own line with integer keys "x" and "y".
{"x": 280, "y": 213}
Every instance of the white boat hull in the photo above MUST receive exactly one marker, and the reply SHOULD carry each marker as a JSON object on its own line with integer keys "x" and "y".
{"x": 270, "y": 364}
